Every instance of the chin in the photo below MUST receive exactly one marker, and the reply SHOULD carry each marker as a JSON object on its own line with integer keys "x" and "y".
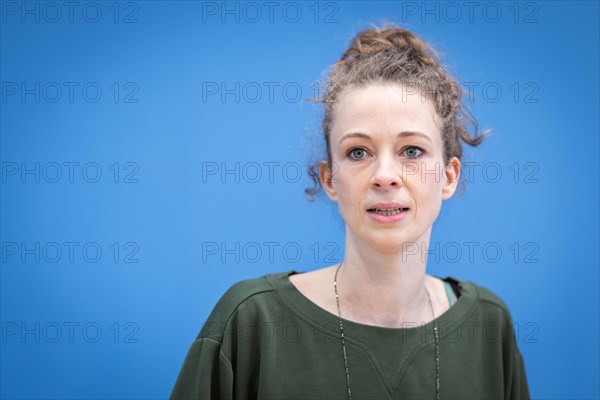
{"x": 396, "y": 242}
{"x": 389, "y": 245}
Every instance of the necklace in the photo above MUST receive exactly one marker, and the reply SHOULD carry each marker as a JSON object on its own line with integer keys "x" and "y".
{"x": 435, "y": 329}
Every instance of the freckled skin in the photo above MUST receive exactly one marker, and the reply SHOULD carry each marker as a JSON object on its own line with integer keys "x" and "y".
{"x": 382, "y": 282}
{"x": 388, "y": 169}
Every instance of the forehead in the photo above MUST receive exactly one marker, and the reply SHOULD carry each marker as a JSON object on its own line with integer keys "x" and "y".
{"x": 384, "y": 109}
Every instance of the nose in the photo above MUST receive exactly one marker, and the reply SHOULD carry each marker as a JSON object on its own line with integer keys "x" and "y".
{"x": 387, "y": 173}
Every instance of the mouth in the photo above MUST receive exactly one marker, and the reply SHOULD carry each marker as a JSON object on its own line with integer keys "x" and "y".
{"x": 387, "y": 211}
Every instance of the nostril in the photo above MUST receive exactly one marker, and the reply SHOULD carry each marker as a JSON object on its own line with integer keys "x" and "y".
{"x": 380, "y": 182}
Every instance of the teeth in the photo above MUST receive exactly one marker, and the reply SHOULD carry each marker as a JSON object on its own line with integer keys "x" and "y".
{"x": 388, "y": 212}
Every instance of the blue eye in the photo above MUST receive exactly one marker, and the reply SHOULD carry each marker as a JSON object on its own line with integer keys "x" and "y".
{"x": 359, "y": 153}
{"x": 354, "y": 150}
{"x": 413, "y": 151}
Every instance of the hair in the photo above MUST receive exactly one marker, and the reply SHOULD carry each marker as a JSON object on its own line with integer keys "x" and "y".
{"x": 395, "y": 55}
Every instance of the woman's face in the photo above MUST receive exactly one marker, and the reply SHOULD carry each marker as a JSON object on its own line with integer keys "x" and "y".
{"x": 386, "y": 147}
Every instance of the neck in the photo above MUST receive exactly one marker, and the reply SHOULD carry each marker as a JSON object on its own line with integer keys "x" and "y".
{"x": 385, "y": 288}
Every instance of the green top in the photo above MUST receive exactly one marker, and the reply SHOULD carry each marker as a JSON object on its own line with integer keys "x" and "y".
{"x": 265, "y": 340}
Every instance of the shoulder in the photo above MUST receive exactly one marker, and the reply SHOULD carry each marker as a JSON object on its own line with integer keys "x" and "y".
{"x": 490, "y": 304}
{"x": 238, "y": 295}
{"x": 243, "y": 290}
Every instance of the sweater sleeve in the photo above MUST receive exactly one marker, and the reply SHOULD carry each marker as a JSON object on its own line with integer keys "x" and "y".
{"x": 520, "y": 387}
{"x": 206, "y": 373}
{"x": 517, "y": 387}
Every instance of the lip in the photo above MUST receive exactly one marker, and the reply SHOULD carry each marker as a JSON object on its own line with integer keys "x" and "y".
{"x": 388, "y": 219}
{"x": 387, "y": 205}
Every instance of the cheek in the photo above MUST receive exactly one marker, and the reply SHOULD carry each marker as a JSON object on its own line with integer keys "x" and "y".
{"x": 349, "y": 194}
{"x": 426, "y": 186}
{"x": 348, "y": 187}
{"x": 430, "y": 176}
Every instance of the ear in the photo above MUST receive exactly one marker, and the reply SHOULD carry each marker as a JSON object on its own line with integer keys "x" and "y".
{"x": 451, "y": 177}
{"x": 328, "y": 180}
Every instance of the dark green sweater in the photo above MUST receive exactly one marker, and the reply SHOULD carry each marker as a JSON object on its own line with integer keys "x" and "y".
{"x": 265, "y": 340}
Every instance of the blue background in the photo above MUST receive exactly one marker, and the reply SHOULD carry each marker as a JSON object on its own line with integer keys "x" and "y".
{"x": 160, "y": 211}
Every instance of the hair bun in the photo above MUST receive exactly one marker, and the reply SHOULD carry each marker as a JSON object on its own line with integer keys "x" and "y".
{"x": 372, "y": 41}
{"x": 392, "y": 55}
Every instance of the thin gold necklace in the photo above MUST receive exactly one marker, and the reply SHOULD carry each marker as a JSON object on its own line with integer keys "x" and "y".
{"x": 435, "y": 329}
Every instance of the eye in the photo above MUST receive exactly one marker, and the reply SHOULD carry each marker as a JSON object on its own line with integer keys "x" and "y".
{"x": 413, "y": 151}
{"x": 356, "y": 151}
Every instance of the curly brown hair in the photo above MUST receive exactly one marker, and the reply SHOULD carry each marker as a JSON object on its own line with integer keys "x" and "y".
{"x": 392, "y": 54}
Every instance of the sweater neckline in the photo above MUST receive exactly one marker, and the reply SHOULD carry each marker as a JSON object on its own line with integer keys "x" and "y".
{"x": 304, "y": 307}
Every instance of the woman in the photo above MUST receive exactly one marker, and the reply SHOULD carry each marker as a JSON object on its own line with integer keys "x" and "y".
{"x": 375, "y": 326}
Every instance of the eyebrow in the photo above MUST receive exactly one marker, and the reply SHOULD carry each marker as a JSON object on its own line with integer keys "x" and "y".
{"x": 401, "y": 134}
